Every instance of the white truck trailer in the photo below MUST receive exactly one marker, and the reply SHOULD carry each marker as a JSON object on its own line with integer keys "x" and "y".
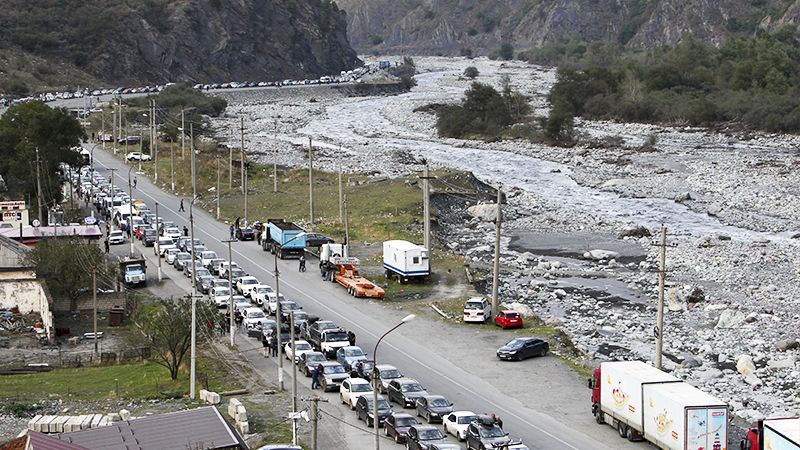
{"x": 406, "y": 261}
{"x": 642, "y": 402}
{"x": 773, "y": 434}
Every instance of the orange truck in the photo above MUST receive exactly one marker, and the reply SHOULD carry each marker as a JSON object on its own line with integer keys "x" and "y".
{"x": 356, "y": 285}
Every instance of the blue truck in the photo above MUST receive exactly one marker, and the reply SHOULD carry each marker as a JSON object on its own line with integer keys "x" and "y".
{"x": 280, "y": 237}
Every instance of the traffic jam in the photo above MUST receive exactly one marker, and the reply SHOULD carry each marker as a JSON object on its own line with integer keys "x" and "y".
{"x": 323, "y": 351}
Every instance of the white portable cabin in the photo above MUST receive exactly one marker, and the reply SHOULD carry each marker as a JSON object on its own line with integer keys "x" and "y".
{"x": 406, "y": 260}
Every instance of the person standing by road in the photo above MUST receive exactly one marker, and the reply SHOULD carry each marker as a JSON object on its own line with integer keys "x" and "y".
{"x": 134, "y": 182}
{"x": 185, "y": 231}
{"x": 315, "y": 376}
{"x": 232, "y": 231}
{"x": 268, "y": 338}
{"x": 351, "y": 338}
{"x": 274, "y": 345}
{"x": 265, "y": 350}
{"x": 180, "y": 208}
{"x": 302, "y": 263}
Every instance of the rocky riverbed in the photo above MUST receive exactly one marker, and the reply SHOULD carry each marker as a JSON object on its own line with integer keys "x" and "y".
{"x": 580, "y": 233}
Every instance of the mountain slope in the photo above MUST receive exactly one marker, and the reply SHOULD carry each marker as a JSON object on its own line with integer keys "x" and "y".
{"x": 482, "y": 26}
{"x": 148, "y": 41}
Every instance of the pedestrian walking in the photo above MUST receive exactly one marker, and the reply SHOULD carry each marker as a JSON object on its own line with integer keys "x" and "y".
{"x": 180, "y": 209}
{"x": 232, "y": 231}
{"x": 302, "y": 263}
{"x": 351, "y": 338}
{"x": 265, "y": 347}
{"x": 239, "y": 319}
{"x": 222, "y": 326}
{"x": 106, "y": 244}
{"x": 315, "y": 376}
{"x": 134, "y": 182}
{"x": 274, "y": 345}
{"x": 185, "y": 231}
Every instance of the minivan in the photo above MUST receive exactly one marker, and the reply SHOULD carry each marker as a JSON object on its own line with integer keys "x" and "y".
{"x": 477, "y": 309}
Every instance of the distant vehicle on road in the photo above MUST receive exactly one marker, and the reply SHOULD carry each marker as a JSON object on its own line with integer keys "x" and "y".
{"x": 116, "y": 237}
{"x": 293, "y": 350}
{"x": 484, "y": 433}
{"x": 347, "y": 356}
{"x": 386, "y": 374}
{"x": 508, "y": 319}
{"x": 433, "y": 407}
{"x": 309, "y": 360}
{"x": 352, "y": 389}
{"x": 332, "y": 375}
{"x": 457, "y": 422}
{"x": 365, "y": 410}
{"x": 523, "y": 348}
{"x": 137, "y": 156}
{"x": 421, "y": 437}
{"x": 405, "y": 392}
{"x": 397, "y": 425}
{"x": 245, "y": 234}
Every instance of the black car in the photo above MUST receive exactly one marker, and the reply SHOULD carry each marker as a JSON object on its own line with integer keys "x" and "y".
{"x": 484, "y": 433}
{"x": 310, "y": 360}
{"x": 362, "y": 369}
{"x": 365, "y": 409}
{"x": 316, "y": 240}
{"x": 522, "y": 348}
{"x": 433, "y": 408}
{"x": 420, "y": 437}
{"x": 245, "y": 233}
{"x": 149, "y": 237}
{"x": 397, "y": 425}
{"x": 405, "y": 391}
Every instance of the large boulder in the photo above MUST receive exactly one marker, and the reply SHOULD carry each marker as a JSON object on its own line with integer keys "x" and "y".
{"x": 634, "y": 231}
{"x": 745, "y": 365}
{"x": 598, "y": 254}
{"x": 675, "y": 302}
{"x": 486, "y": 212}
{"x": 730, "y": 318}
{"x": 787, "y": 344}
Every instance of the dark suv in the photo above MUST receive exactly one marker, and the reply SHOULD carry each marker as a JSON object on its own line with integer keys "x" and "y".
{"x": 405, "y": 391}
{"x": 365, "y": 409}
{"x": 420, "y": 437}
{"x": 484, "y": 433}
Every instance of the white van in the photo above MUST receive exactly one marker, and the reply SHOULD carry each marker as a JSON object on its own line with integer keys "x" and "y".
{"x": 477, "y": 309}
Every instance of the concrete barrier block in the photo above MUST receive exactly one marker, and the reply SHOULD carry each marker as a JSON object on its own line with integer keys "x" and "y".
{"x": 214, "y": 398}
{"x": 241, "y": 416}
{"x": 57, "y": 425}
{"x": 96, "y": 420}
{"x": 73, "y": 424}
{"x": 113, "y": 417}
{"x": 203, "y": 395}
{"x": 124, "y": 414}
{"x": 233, "y": 406}
{"x": 243, "y": 427}
{"x": 33, "y": 421}
{"x": 43, "y": 425}
{"x": 86, "y": 421}
{"x": 106, "y": 421}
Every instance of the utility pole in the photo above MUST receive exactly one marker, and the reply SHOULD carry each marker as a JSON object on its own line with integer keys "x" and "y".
{"x": 341, "y": 191}
{"x": 103, "y": 129}
{"x": 194, "y": 305}
{"x": 230, "y": 163}
{"x": 246, "y": 181}
{"x": 278, "y": 322}
{"x": 294, "y": 378}
{"x": 39, "y": 188}
{"x": 315, "y": 418}
{"x": 183, "y": 135}
{"x": 241, "y": 130}
{"x": 130, "y": 211}
{"x": 160, "y": 276}
{"x": 662, "y": 273}
{"x": 310, "y": 182}
{"x": 172, "y": 164}
{"x": 113, "y": 125}
{"x": 112, "y": 170}
{"x": 152, "y": 108}
{"x": 496, "y": 274}
{"x": 346, "y": 223}
{"x": 191, "y": 149}
{"x": 155, "y": 142}
{"x": 426, "y": 206}
{"x": 230, "y": 297}
{"x": 94, "y": 306}
{"x": 218, "y": 191}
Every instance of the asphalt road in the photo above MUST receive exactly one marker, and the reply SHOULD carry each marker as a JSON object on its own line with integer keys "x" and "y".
{"x": 407, "y": 350}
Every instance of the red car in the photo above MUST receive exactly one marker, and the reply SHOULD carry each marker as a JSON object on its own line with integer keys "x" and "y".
{"x": 508, "y": 319}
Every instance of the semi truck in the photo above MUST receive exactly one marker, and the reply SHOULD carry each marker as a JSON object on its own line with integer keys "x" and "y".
{"x": 406, "y": 261}
{"x": 327, "y": 252}
{"x": 283, "y": 238}
{"x": 133, "y": 270}
{"x": 773, "y": 434}
{"x": 336, "y": 266}
{"x": 644, "y": 403}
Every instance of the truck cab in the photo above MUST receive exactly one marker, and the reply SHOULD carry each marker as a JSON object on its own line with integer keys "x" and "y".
{"x": 773, "y": 434}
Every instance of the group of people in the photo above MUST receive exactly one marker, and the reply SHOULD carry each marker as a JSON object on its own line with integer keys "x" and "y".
{"x": 270, "y": 344}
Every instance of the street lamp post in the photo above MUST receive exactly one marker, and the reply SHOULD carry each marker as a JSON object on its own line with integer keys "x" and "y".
{"x": 278, "y": 313}
{"x": 130, "y": 210}
{"x": 194, "y": 306}
{"x": 376, "y": 379}
{"x": 294, "y": 378}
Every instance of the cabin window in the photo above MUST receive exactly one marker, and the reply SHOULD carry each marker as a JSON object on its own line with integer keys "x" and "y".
{"x": 416, "y": 260}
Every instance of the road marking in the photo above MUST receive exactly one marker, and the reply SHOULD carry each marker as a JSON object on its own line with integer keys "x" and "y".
{"x": 374, "y": 336}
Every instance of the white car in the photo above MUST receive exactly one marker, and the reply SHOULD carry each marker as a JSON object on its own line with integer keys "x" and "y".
{"x": 169, "y": 256}
{"x": 163, "y": 244}
{"x": 116, "y": 237}
{"x": 221, "y": 295}
{"x": 272, "y": 302}
{"x": 253, "y": 316}
{"x": 240, "y": 306}
{"x": 457, "y": 422}
{"x": 387, "y": 374}
{"x": 259, "y": 293}
{"x": 302, "y": 347}
{"x": 137, "y": 156}
{"x": 353, "y": 388}
{"x": 223, "y": 268}
{"x": 206, "y": 257}
{"x": 173, "y": 233}
{"x": 246, "y": 284}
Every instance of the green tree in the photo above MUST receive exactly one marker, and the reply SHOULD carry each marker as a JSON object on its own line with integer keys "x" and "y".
{"x": 23, "y": 129}
{"x": 471, "y": 72}
{"x": 66, "y": 265}
{"x": 167, "y": 329}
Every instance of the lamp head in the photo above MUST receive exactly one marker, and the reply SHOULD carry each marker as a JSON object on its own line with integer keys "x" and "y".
{"x": 408, "y": 318}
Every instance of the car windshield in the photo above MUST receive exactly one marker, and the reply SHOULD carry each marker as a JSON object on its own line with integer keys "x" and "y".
{"x": 314, "y": 357}
{"x": 116, "y": 233}
{"x": 430, "y": 434}
{"x": 360, "y": 387}
{"x": 303, "y": 346}
{"x": 491, "y": 432}
{"x": 337, "y": 336}
{"x": 405, "y": 421}
{"x": 473, "y": 305}
{"x": 411, "y": 387}
{"x": 206, "y": 279}
{"x": 466, "y": 420}
{"x": 246, "y": 281}
{"x": 165, "y": 241}
{"x": 353, "y": 352}
{"x": 439, "y": 402}
{"x": 334, "y": 369}
{"x": 221, "y": 283}
{"x": 390, "y": 373}
{"x": 263, "y": 290}
{"x": 237, "y": 272}
{"x": 208, "y": 255}
{"x": 516, "y": 343}
{"x": 255, "y": 314}
{"x": 512, "y": 315}
{"x": 222, "y": 291}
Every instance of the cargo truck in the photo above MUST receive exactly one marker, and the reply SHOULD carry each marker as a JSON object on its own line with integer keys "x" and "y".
{"x": 406, "y": 261}
{"x": 283, "y": 238}
{"x": 132, "y": 270}
{"x": 644, "y": 403}
{"x": 327, "y": 252}
{"x": 773, "y": 434}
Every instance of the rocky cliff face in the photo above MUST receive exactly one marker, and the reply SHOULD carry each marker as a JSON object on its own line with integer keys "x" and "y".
{"x": 138, "y": 41}
{"x": 482, "y": 26}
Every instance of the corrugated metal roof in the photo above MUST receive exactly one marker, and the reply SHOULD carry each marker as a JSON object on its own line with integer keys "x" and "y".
{"x": 39, "y": 441}
{"x": 200, "y": 428}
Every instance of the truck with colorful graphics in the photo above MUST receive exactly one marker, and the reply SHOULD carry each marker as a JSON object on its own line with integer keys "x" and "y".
{"x": 644, "y": 403}
{"x": 773, "y": 434}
